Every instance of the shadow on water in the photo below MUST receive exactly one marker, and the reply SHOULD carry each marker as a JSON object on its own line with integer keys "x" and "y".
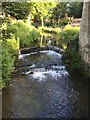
{"x": 42, "y": 88}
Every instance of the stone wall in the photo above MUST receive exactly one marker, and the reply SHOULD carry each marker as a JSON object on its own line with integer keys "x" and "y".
{"x": 43, "y": 48}
{"x": 84, "y": 36}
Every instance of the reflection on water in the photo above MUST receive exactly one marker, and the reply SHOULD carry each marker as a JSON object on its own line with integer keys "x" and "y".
{"x": 42, "y": 88}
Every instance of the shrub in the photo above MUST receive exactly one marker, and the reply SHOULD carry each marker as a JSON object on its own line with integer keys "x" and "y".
{"x": 34, "y": 38}
{"x": 7, "y": 65}
{"x": 64, "y": 22}
{"x": 26, "y": 33}
{"x": 71, "y": 57}
{"x": 9, "y": 55}
{"x": 68, "y": 34}
{"x": 0, "y": 65}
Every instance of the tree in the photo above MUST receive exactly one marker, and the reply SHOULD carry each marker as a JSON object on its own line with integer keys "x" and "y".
{"x": 22, "y": 10}
{"x": 59, "y": 11}
{"x": 41, "y": 9}
{"x": 18, "y": 10}
{"x": 75, "y": 9}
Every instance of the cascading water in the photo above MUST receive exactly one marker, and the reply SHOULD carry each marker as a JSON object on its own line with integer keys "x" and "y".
{"x": 42, "y": 88}
{"x": 51, "y": 69}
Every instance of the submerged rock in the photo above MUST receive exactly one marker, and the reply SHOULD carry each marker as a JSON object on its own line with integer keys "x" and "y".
{"x": 26, "y": 73}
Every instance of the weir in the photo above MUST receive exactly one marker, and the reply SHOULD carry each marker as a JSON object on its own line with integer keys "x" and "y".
{"x": 34, "y": 49}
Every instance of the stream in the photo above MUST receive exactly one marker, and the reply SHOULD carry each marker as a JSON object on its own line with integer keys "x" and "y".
{"x": 42, "y": 88}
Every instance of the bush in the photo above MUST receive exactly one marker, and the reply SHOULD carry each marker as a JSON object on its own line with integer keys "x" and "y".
{"x": 26, "y": 33}
{"x": 34, "y": 38}
{"x": 64, "y": 22}
{"x": 9, "y": 55}
{"x": 71, "y": 57}
{"x": 7, "y": 65}
{"x": 68, "y": 34}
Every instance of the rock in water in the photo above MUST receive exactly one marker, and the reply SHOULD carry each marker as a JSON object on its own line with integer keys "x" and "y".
{"x": 26, "y": 73}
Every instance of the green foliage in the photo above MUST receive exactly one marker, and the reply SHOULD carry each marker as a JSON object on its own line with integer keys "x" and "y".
{"x": 9, "y": 55}
{"x": 34, "y": 38}
{"x": 22, "y": 10}
{"x": 62, "y": 37}
{"x": 27, "y": 34}
{"x": 67, "y": 35}
{"x": 63, "y": 22}
{"x": 49, "y": 30}
{"x": 66, "y": 10}
{"x": 71, "y": 57}
{"x": 41, "y": 9}
{"x": 7, "y": 65}
{"x": 9, "y": 52}
{"x": 5, "y": 32}
{"x": 0, "y": 65}
{"x": 19, "y": 10}
{"x": 75, "y": 9}
{"x": 60, "y": 10}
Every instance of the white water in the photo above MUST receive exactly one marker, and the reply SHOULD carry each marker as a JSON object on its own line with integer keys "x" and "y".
{"x": 42, "y": 74}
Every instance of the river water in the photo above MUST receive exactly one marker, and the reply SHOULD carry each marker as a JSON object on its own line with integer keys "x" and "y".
{"x": 42, "y": 88}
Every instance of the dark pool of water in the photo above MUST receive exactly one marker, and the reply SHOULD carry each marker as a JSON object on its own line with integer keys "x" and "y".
{"x": 42, "y": 88}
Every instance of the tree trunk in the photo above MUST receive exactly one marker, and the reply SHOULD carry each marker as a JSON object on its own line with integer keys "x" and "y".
{"x": 41, "y": 42}
{"x": 42, "y": 21}
{"x": 58, "y": 21}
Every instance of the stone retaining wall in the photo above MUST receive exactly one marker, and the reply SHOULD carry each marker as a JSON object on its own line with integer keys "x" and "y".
{"x": 37, "y": 49}
{"x": 84, "y": 36}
